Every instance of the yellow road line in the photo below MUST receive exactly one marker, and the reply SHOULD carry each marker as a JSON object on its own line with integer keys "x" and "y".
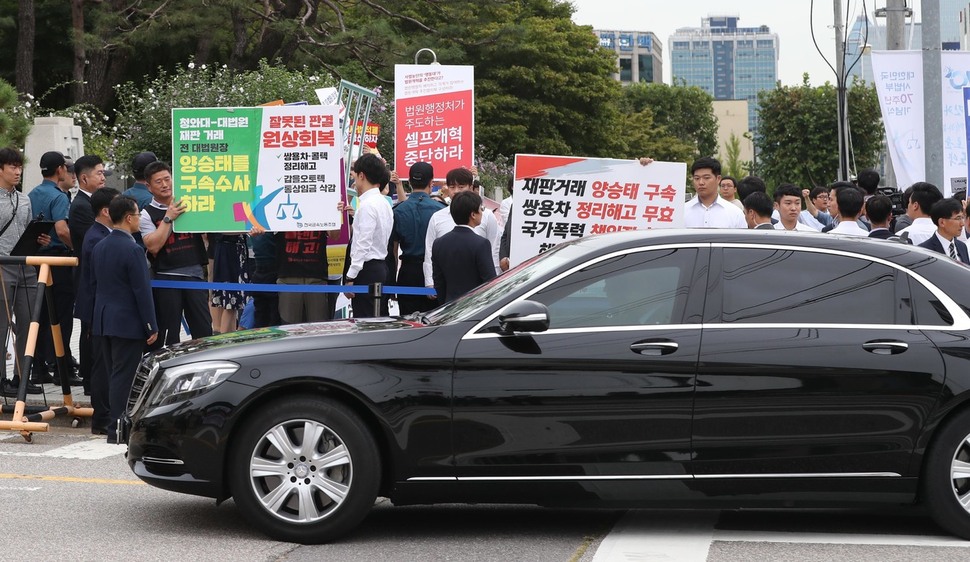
{"x": 69, "y": 479}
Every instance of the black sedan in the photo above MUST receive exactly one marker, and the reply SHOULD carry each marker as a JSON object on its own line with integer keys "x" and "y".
{"x": 641, "y": 369}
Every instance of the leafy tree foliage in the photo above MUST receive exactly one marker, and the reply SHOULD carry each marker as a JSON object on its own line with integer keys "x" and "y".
{"x": 683, "y": 112}
{"x": 731, "y": 163}
{"x": 13, "y": 121}
{"x": 145, "y": 115}
{"x": 798, "y": 135}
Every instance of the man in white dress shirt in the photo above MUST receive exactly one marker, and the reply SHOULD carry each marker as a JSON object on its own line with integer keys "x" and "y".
{"x": 788, "y": 201}
{"x": 457, "y": 180}
{"x": 373, "y": 222}
{"x": 849, "y": 200}
{"x": 921, "y": 200}
{"x": 708, "y": 209}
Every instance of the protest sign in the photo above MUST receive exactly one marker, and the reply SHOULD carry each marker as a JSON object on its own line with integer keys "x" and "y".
{"x": 434, "y": 117}
{"x": 278, "y": 167}
{"x": 558, "y": 198}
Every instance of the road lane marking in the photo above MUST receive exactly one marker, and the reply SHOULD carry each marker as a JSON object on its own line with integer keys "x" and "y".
{"x": 89, "y": 449}
{"x": 650, "y": 535}
{"x": 70, "y": 479}
{"x": 840, "y": 538}
{"x": 21, "y": 488}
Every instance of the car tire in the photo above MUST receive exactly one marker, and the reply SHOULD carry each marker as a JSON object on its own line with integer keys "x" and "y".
{"x": 946, "y": 482}
{"x": 299, "y": 491}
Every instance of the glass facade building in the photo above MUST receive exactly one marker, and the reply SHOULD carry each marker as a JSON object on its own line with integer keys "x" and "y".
{"x": 639, "y": 55}
{"x": 727, "y": 61}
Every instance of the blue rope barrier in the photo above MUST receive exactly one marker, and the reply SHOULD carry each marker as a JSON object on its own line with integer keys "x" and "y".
{"x": 269, "y": 288}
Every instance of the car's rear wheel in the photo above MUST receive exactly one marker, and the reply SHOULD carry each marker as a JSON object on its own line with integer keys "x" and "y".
{"x": 946, "y": 483}
{"x": 304, "y": 470}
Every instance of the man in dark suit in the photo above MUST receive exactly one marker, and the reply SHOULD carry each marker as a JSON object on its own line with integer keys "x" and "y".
{"x": 757, "y": 210}
{"x": 124, "y": 313}
{"x": 948, "y": 216}
{"x": 462, "y": 260}
{"x": 879, "y": 209}
{"x": 84, "y": 307}
{"x": 90, "y": 178}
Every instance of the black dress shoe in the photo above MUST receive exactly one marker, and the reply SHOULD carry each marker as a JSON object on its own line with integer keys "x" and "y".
{"x": 73, "y": 381}
{"x": 99, "y": 431}
{"x": 8, "y": 389}
{"x": 41, "y": 378}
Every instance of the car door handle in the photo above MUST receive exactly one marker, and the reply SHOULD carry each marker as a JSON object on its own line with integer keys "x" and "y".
{"x": 654, "y": 348}
{"x": 885, "y": 347}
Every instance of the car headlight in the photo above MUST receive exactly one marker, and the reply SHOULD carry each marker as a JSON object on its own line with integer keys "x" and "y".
{"x": 185, "y": 381}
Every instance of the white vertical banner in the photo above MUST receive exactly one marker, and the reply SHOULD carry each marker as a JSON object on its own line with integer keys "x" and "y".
{"x": 899, "y": 84}
{"x": 956, "y": 77}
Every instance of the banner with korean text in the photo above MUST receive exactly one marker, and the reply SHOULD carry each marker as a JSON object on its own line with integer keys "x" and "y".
{"x": 278, "y": 167}
{"x": 434, "y": 117}
{"x": 899, "y": 83}
{"x": 558, "y": 198}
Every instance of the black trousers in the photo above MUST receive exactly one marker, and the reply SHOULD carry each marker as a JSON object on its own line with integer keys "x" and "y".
{"x": 121, "y": 357}
{"x": 171, "y": 304}
{"x": 412, "y": 275}
{"x": 63, "y": 292}
{"x": 266, "y": 305}
{"x": 374, "y": 271}
{"x": 99, "y": 382}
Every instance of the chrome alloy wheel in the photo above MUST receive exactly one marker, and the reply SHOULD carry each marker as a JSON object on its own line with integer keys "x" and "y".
{"x": 960, "y": 473}
{"x": 301, "y": 471}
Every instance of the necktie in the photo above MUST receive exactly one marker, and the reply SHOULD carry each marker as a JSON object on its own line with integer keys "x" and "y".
{"x": 953, "y": 251}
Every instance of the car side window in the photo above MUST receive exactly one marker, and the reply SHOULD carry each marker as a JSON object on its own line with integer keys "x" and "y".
{"x": 802, "y": 287}
{"x": 928, "y": 309}
{"x": 639, "y": 288}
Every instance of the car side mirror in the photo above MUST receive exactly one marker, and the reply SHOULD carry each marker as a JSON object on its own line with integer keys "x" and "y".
{"x": 524, "y": 316}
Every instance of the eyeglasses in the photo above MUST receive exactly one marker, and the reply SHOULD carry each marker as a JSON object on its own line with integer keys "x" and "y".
{"x": 959, "y": 218}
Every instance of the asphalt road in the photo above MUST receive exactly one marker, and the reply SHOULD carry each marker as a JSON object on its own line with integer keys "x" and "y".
{"x": 69, "y": 496}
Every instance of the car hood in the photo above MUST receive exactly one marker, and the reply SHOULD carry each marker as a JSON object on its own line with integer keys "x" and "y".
{"x": 295, "y": 337}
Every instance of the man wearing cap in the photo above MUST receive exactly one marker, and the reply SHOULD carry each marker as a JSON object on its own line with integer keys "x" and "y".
{"x": 139, "y": 190}
{"x": 49, "y": 202}
{"x": 70, "y": 180}
{"x": 411, "y": 219}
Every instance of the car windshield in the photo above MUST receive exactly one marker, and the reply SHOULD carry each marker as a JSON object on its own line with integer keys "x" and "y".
{"x": 470, "y": 304}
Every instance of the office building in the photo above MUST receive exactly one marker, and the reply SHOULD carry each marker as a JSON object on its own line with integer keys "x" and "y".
{"x": 639, "y": 55}
{"x": 727, "y": 61}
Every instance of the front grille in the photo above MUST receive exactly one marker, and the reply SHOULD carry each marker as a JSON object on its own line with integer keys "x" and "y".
{"x": 146, "y": 371}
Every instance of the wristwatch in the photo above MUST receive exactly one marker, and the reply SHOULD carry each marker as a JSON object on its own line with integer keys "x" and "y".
{"x": 167, "y": 219}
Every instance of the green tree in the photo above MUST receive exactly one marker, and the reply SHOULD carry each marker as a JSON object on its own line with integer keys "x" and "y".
{"x": 144, "y": 119}
{"x": 731, "y": 162}
{"x": 643, "y": 137}
{"x": 14, "y": 120}
{"x": 798, "y": 133}
{"x": 685, "y": 112}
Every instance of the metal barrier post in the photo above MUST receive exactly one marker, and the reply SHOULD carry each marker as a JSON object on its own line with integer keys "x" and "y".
{"x": 376, "y": 291}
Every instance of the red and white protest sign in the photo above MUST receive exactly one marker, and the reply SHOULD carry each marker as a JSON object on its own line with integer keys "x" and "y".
{"x": 558, "y": 198}
{"x": 434, "y": 109}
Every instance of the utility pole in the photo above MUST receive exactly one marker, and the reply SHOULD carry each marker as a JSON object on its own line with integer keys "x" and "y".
{"x": 840, "y": 90}
{"x": 895, "y": 41}
{"x": 933, "y": 93}
{"x": 895, "y": 24}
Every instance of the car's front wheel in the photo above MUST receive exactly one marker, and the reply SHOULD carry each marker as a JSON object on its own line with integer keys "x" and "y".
{"x": 304, "y": 470}
{"x": 946, "y": 482}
